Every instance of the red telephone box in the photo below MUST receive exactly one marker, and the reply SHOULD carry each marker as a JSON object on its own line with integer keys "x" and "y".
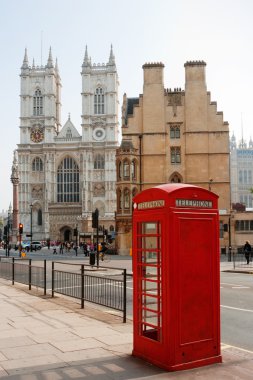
{"x": 176, "y": 277}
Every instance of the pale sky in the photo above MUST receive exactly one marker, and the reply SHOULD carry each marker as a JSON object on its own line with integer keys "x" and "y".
{"x": 220, "y": 32}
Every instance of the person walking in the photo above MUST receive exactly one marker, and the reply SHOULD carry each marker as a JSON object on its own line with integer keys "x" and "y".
{"x": 61, "y": 248}
{"x": 247, "y": 251}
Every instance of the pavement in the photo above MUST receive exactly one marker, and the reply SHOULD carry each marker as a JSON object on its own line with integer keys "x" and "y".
{"x": 44, "y": 338}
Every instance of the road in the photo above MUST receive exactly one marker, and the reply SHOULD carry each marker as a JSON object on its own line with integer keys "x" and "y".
{"x": 237, "y": 310}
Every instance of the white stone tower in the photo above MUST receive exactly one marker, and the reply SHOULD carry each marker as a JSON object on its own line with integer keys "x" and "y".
{"x": 100, "y": 137}
{"x": 39, "y": 124}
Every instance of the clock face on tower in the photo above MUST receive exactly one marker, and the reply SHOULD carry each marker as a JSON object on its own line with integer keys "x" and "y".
{"x": 99, "y": 134}
{"x": 37, "y": 134}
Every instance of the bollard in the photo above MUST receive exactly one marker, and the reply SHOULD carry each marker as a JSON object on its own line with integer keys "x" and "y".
{"x": 92, "y": 258}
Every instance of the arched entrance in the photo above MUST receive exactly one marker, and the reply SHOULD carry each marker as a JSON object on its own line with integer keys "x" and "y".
{"x": 67, "y": 234}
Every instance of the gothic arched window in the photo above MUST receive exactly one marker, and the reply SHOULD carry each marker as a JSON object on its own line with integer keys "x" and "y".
{"x": 133, "y": 169}
{"x": 37, "y": 165}
{"x": 39, "y": 217}
{"x": 126, "y": 169}
{"x": 176, "y": 178}
{"x": 99, "y": 161}
{"x": 99, "y": 101}
{"x": 119, "y": 171}
{"x": 119, "y": 200}
{"x": 126, "y": 199}
{"x": 68, "y": 181}
{"x": 134, "y": 192}
{"x": 37, "y": 103}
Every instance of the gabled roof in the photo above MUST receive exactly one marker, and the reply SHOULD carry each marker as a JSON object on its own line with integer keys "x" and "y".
{"x": 68, "y": 131}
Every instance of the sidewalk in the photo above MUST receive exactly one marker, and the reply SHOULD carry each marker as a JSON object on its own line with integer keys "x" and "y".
{"x": 226, "y": 266}
{"x": 45, "y": 338}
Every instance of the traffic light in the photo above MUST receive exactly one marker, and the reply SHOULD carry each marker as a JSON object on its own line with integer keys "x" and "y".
{"x": 75, "y": 232}
{"x": 20, "y": 228}
{"x": 95, "y": 219}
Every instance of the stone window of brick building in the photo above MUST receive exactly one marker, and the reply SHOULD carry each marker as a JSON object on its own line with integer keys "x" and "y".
{"x": 175, "y": 155}
{"x": 175, "y": 132}
{"x": 244, "y": 225}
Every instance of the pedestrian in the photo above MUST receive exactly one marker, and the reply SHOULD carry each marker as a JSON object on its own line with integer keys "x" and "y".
{"x": 247, "y": 251}
{"x": 61, "y": 248}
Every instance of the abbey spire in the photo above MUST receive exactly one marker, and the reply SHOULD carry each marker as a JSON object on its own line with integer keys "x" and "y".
{"x": 86, "y": 60}
{"x": 50, "y": 63}
{"x": 111, "y": 58}
{"x": 25, "y": 61}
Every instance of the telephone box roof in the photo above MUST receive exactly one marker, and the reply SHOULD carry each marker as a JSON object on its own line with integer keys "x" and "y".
{"x": 170, "y": 191}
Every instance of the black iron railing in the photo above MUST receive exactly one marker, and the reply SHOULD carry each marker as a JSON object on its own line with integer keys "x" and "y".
{"x": 22, "y": 271}
{"x": 240, "y": 261}
{"x": 105, "y": 286}
{"x": 87, "y": 285}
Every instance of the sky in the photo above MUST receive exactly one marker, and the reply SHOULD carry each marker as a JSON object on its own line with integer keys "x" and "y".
{"x": 220, "y": 32}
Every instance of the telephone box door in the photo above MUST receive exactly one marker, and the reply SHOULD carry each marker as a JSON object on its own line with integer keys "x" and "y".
{"x": 197, "y": 286}
{"x": 148, "y": 323}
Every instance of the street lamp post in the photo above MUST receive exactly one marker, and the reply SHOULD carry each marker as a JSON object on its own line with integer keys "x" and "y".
{"x": 229, "y": 240}
{"x": 31, "y": 229}
{"x": 7, "y": 238}
{"x": 8, "y": 233}
{"x": 76, "y": 235}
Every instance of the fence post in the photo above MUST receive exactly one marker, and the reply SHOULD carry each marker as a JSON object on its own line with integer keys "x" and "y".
{"x": 13, "y": 264}
{"x": 124, "y": 296}
{"x": 229, "y": 253}
{"x": 30, "y": 274}
{"x": 45, "y": 277}
{"x": 52, "y": 279}
{"x": 82, "y": 286}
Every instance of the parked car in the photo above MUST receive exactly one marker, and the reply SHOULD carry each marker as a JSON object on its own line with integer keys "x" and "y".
{"x": 36, "y": 245}
{"x": 25, "y": 244}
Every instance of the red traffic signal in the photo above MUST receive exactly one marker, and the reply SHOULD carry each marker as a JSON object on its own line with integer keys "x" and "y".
{"x": 20, "y": 228}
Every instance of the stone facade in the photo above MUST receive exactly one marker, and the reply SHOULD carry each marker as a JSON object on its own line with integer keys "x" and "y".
{"x": 171, "y": 136}
{"x": 241, "y": 172}
{"x": 64, "y": 175}
{"x": 241, "y": 228}
{"x": 241, "y": 167}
